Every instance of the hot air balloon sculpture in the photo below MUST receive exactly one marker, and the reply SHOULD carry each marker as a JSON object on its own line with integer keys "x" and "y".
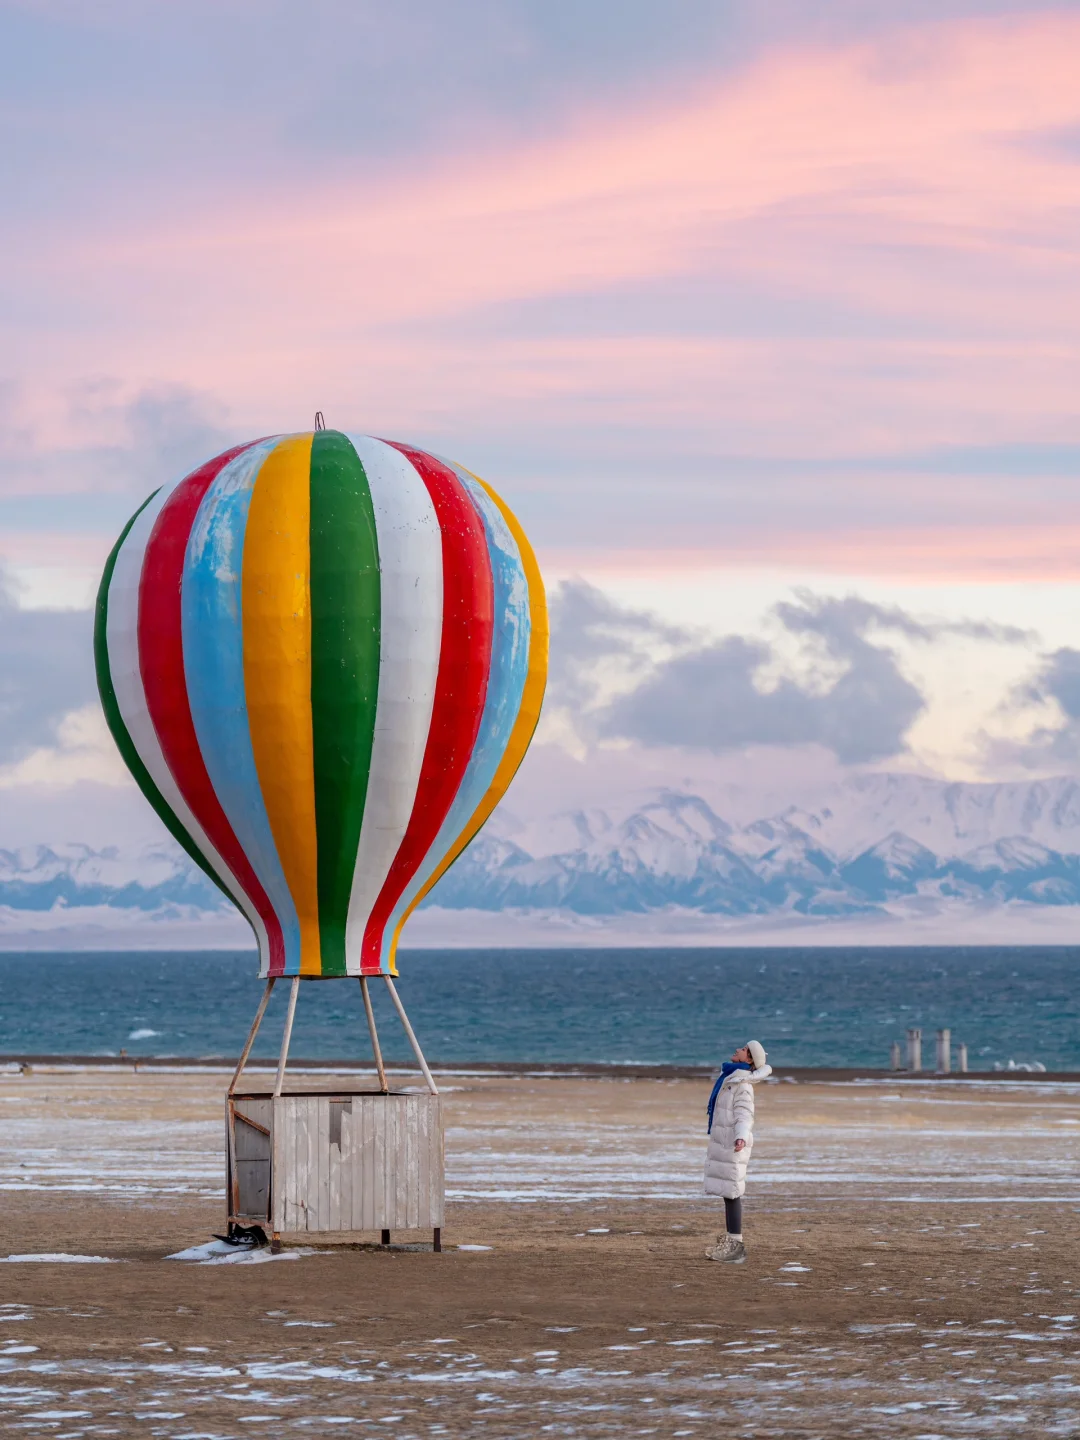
{"x": 322, "y": 656}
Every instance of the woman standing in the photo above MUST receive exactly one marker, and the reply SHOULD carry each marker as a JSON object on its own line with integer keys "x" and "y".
{"x": 731, "y": 1138}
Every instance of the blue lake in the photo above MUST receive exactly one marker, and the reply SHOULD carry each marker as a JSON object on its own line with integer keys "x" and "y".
{"x": 808, "y": 1006}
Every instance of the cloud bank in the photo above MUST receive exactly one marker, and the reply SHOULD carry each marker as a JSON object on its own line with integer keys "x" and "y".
{"x": 832, "y": 677}
{"x": 46, "y": 672}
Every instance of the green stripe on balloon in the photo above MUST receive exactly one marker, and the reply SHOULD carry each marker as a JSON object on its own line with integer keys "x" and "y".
{"x": 345, "y": 631}
{"x": 115, "y": 721}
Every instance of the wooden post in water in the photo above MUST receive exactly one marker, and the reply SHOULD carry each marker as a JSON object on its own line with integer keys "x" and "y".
{"x": 914, "y": 1051}
{"x": 942, "y": 1057}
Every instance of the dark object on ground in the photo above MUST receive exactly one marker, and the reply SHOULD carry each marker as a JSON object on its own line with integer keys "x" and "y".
{"x": 244, "y": 1237}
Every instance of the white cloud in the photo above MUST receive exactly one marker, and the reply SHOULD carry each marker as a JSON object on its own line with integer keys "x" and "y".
{"x": 822, "y": 671}
{"x": 84, "y": 751}
{"x": 46, "y": 672}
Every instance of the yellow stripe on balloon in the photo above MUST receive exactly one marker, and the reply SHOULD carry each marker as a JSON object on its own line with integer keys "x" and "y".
{"x": 528, "y": 716}
{"x": 276, "y": 590}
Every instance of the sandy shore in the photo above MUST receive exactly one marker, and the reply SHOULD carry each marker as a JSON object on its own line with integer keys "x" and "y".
{"x": 912, "y": 1270}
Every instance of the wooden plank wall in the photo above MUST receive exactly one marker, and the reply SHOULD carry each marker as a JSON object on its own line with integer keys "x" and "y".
{"x": 357, "y": 1162}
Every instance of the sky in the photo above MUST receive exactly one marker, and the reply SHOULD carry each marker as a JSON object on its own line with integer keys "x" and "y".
{"x": 763, "y": 316}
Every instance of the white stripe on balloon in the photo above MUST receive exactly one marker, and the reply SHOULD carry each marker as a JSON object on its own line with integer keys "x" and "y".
{"x": 410, "y": 562}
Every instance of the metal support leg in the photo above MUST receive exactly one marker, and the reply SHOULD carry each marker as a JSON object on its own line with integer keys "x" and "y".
{"x": 437, "y": 1246}
{"x": 374, "y": 1035}
{"x": 386, "y": 1237}
{"x": 412, "y": 1038}
{"x": 259, "y": 1013}
{"x": 287, "y": 1036}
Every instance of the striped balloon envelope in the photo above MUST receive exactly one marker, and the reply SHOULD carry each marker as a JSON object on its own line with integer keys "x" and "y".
{"x": 322, "y": 657}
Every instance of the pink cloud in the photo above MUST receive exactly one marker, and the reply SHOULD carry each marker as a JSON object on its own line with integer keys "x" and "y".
{"x": 1002, "y": 554}
{"x": 907, "y": 186}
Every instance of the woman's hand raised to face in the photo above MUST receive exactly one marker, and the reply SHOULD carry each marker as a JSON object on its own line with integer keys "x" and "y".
{"x": 739, "y": 1145}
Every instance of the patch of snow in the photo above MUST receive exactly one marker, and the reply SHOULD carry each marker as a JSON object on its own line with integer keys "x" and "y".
{"x": 58, "y": 1258}
{"x": 219, "y": 1252}
{"x": 204, "y": 1252}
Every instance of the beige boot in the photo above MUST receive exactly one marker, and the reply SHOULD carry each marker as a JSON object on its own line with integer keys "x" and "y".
{"x": 728, "y": 1250}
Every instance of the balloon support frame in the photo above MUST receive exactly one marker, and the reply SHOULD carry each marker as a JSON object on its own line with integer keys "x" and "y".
{"x": 302, "y": 1162}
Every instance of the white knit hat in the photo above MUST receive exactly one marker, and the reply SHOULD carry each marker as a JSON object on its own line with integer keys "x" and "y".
{"x": 757, "y": 1053}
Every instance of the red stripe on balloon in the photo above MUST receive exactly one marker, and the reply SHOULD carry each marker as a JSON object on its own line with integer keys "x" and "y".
{"x": 161, "y": 664}
{"x": 460, "y": 686}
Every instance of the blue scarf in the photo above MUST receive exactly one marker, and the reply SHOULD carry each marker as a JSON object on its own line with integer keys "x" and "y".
{"x": 728, "y": 1068}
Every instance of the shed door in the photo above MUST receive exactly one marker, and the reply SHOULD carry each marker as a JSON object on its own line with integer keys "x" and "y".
{"x": 252, "y": 1152}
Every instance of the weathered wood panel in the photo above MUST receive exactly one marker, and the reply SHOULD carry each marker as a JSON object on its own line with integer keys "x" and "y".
{"x": 253, "y": 1189}
{"x": 277, "y": 1167}
{"x": 251, "y": 1158}
{"x": 250, "y": 1144}
{"x": 248, "y": 1176}
{"x": 322, "y": 1199}
{"x": 335, "y": 1162}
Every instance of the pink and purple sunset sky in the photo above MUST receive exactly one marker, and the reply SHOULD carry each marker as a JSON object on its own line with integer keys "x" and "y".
{"x": 753, "y": 311}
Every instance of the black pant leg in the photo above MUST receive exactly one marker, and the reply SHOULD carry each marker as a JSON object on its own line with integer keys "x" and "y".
{"x": 733, "y": 1216}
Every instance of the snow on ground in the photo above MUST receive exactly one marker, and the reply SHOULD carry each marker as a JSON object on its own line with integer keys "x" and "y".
{"x": 527, "y": 1138}
{"x": 57, "y": 1258}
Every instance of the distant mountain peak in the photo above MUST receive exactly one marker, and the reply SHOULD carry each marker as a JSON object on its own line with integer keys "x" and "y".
{"x": 874, "y": 840}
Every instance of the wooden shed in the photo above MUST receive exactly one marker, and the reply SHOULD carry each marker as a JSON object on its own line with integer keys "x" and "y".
{"x": 310, "y": 1162}
{"x": 306, "y": 1163}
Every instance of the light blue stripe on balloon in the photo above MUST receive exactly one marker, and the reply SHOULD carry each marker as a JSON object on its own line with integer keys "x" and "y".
{"x": 506, "y": 685}
{"x": 210, "y": 603}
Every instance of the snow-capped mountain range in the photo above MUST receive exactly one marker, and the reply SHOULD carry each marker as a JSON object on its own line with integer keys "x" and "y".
{"x": 872, "y": 841}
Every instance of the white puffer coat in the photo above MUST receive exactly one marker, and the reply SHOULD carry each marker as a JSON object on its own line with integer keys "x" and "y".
{"x": 733, "y": 1119}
